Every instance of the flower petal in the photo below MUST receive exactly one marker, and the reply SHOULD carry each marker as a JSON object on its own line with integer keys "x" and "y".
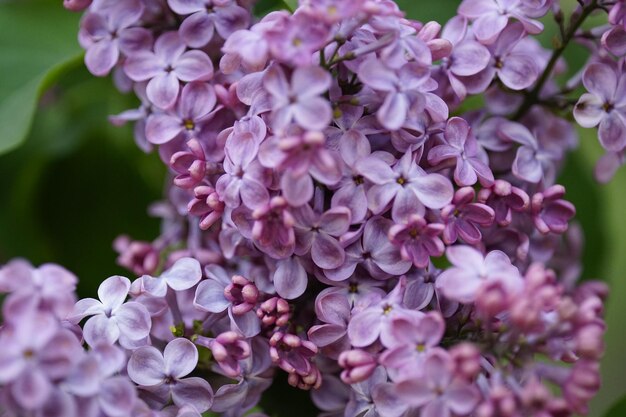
{"x": 210, "y": 297}
{"x": 600, "y": 80}
{"x": 100, "y": 329}
{"x": 101, "y": 57}
{"x": 181, "y": 357}
{"x": 459, "y": 284}
{"x": 588, "y": 111}
{"x": 612, "y": 132}
{"x": 312, "y": 113}
{"x": 290, "y": 278}
{"x": 392, "y": 114}
{"x": 184, "y": 274}
{"x": 194, "y": 65}
{"x": 113, "y": 291}
{"x": 326, "y": 252}
{"x": 162, "y": 90}
{"x": 162, "y": 128}
{"x": 197, "y": 29}
{"x": 193, "y": 391}
{"x": 31, "y": 389}
{"x": 117, "y": 396}
{"x": 433, "y": 190}
{"x": 146, "y": 366}
{"x": 133, "y": 320}
{"x": 519, "y": 71}
{"x": 364, "y": 327}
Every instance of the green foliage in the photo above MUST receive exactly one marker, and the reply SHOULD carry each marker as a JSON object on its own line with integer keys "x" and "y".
{"x": 291, "y": 4}
{"x": 618, "y": 409}
{"x": 37, "y": 42}
{"x": 77, "y": 182}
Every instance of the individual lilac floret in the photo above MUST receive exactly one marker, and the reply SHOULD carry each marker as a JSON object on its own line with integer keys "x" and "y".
{"x": 373, "y": 322}
{"x": 195, "y": 107}
{"x": 399, "y": 87}
{"x": 166, "y": 67}
{"x": 531, "y": 162}
{"x": 614, "y": 41}
{"x": 206, "y": 204}
{"x": 464, "y": 218}
{"x": 273, "y": 230}
{"x": 294, "y": 39}
{"x": 228, "y": 349}
{"x": 505, "y": 200}
{"x": 437, "y": 392}
{"x": 472, "y": 163}
{"x": 236, "y": 294}
{"x": 512, "y": 61}
{"x": 491, "y": 17}
{"x": 303, "y": 156}
{"x": 35, "y": 353}
{"x": 190, "y": 165}
{"x": 292, "y": 354}
{"x": 332, "y": 11}
{"x": 472, "y": 270}
{"x": 219, "y": 292}
{"x": 96, "y": 382}
{"x": 414, "y": 337}
{"x": 332, "y": 308}
{"x": 374, "y": 252}
{"x": 310, "y": 381}
{"x": 206, "y": 17}
{"x": 244, "y": 180}
{"x": 245, "y": 394}
{"x": 245, "y": 48}
{"x": 358, "y": 365}
{"x": 274, "y": 312}
{"x": 468, "y": 57}
{"x": 184, "y": 274}
{"x": 550, "y": 212}
{"x": 106, "y": 35}
{"x": 163, "y": 374}
{"x": 318, "y": 235}
{"x": 111, "y": 316}
{"x": 300, "y": 99}
{"x": 418, "y": 240}
{"x": 604, "y": 105}
{"x": 135, "y": 255}
{"x": 49, "y": 288}
{"x": 408, "y": 185}
{"x": 375, "y": 396}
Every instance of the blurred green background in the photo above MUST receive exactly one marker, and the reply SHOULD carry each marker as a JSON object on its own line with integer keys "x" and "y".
{"x": 71, "y": 182}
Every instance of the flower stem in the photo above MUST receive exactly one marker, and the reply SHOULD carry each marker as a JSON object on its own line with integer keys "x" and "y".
{"x": 532, "y": 96}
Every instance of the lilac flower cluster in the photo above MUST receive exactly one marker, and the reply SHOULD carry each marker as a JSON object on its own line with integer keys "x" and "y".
{"x": 335, "y": 212}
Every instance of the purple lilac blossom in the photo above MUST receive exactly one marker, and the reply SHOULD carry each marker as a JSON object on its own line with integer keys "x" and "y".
{"x": 316, "y": 179}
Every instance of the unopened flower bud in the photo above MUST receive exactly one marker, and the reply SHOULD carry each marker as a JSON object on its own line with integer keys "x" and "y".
{"x": 358, "y": 365}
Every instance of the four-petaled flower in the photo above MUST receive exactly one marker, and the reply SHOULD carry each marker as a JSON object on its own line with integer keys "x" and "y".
{"x": 163, "y": 374}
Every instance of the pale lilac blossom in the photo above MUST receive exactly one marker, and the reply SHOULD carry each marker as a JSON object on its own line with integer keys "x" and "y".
{"x": 166, "y": 67}
{"x": 471, "y": 270}
{"x": 164, "y": 374}
{"x": 111, "y": 317}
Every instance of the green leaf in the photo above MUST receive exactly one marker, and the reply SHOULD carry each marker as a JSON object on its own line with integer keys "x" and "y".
{"x": 37, "y": 43}
{"x": 291, "y": 4}
{"x": 618, "y": 409}
{"x": 611, "y": 218}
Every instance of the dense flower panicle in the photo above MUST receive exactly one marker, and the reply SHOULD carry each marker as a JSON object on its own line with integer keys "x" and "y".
{"x": 326, "y": 217}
